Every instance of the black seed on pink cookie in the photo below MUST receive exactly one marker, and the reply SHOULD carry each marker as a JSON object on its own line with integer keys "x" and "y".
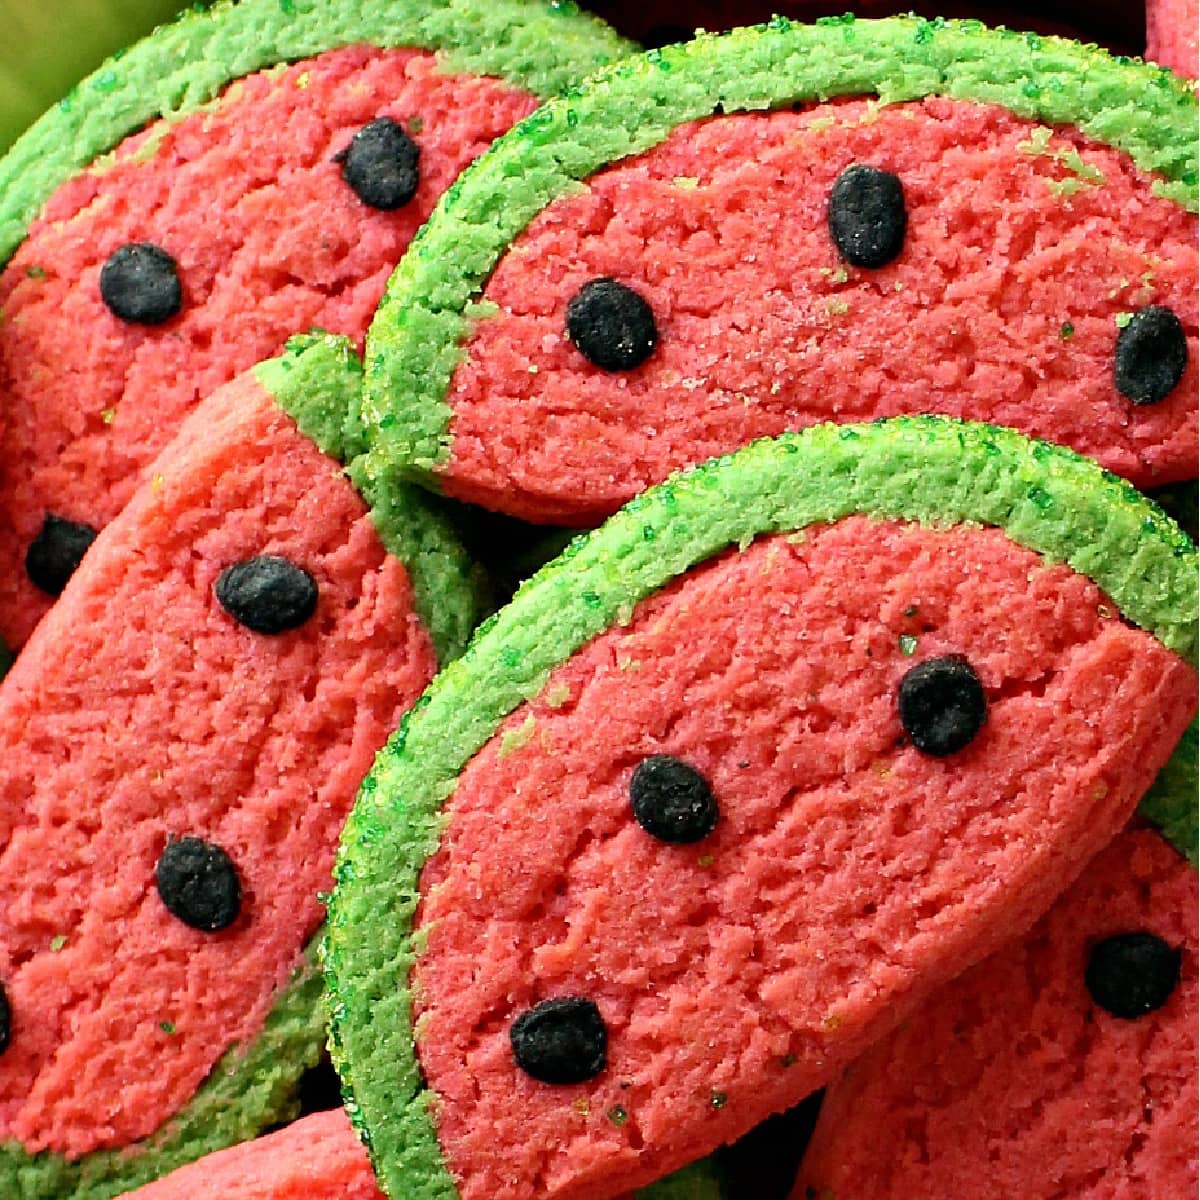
{"x": 55, "y": 553}
{"x": 140, "y": 284}
{"x": 380, "y": 165}
{"x": 671, "y": 800}
{"x": 560, "y": 1041}
{"x": 1132, "y": 974}
{"x": 1152, "y": 355}
{"x": 198, "y": 883}
{"x": 611, "y": 325}
{"x": 268, "y": 594}
{"x": 867, "y": 216}
{"x": 942, "y": 705}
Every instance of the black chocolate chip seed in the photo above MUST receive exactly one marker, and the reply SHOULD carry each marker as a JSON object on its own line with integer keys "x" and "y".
{"x": 672, "y": 801}
{"x": 611, "y": 325}
{"x": 140, "y": 284}
{"x": 867, "y": 216}
{"x": 942, "y": 704}
{"x": 1152, "y": 355}
{"x": 560, "y": 1041}
{"x": 1132, "y": 974}
{"x": 5, "y": 1020}
{"x": 267, "y": 594}
{"x": 55, "y": 553}
{"x": 380, "y": 164}
{"x": 199, "y": 884}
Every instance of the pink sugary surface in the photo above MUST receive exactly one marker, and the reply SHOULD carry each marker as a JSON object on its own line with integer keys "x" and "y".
{"x": 1172, "y": 34}
{"x": 318, "y": 1158}
{"x": 1011, "y": 1082}
{"x": 723, "y": 229}
{"x": 140, "y": 710}
{"x": 848, "y": 875}
{"x": 269, "y": 239}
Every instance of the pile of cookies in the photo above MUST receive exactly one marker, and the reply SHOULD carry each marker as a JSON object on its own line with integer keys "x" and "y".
{"x": 850, "y": 744}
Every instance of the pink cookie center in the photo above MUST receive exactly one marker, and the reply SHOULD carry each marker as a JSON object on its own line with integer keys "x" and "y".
{"x": 318, "y": 1158}
{"x": 1012, "y": 1082}
{"x": 1023, "y": 249}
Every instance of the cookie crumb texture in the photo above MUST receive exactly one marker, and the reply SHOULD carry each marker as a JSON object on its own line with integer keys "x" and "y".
{"x": 1023, "y": 251}
{"x": 248, "y": 200}
{"x": 318, "y": 1158}
{"x": 142, "y": 716}
{"x": 1013, "y": 1082}
{"x": 846, "y": 877}
{"x": 1172, "y": 36}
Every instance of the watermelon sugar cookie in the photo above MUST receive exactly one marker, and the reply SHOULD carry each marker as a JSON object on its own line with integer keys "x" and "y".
{"x": 791, "y": 224}
{"x": 251, "y": 171}
{"x": 1064, "y": 1066}
{"x": 733, "y": 785}
{"x": 182, "y": 739}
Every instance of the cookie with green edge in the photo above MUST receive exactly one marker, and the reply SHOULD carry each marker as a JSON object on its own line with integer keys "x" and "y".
{"x": 250, "y": 171}
{"x": 790, "y": 224}
{"x": 733, "y": 785}
{"x": 1064, "y": 1065}
{"x": 183, "y": 737}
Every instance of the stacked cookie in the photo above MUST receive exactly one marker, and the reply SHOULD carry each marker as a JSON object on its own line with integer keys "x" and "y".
{"x": 796, "y": 747}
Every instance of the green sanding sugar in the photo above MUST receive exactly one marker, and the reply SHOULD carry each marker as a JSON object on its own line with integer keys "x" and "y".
{"x": 541, "y": 45}
{"x": 931, "y": 470}
{"x": 426, "y": 316}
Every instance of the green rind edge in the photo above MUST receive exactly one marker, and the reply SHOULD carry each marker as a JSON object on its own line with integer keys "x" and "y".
{"x": 247, "y": 1090}
{"x": 929, "y": 469}
{"x": 317, "y": 382}
{"x": 425, "y": 318}
{"x": 1171, "y": 802}
{"x": 539, "y": 45}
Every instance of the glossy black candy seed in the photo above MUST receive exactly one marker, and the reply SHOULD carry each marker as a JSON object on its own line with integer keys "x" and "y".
{"x": 1132, "y": 974}
{"x": 55, "y": 553}
{"x": 672, "y": 801}
{"x": 1152, "y": 355}
{"x": 560, "y": 1041}
{"x": 199, "y": 884}
{"x": 867, "y": 216}
{"x": 140, "y": 284}
{"x": 611, "y": 325}
{"x": 380, "y": 164}
{"x": 942, "y": 704}
{"x": 267, "y": 594}
{"x": 5, "y": 1020}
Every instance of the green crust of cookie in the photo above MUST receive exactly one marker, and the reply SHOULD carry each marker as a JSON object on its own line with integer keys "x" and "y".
{"x": 1171, "y": 802}
{"x": 317, "y": 382}
{"x": 427, "y": 314}
{"x": 249, "y": 1089}
{"x": 540, "y": 45}
{"x": 928, "y": 469}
